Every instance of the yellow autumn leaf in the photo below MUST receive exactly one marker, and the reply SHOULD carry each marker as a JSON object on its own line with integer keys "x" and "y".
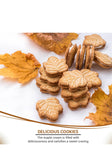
{"x": 103, "y": 103}
{"x": 20, "y": 66}
{"x": 57, "y": 42}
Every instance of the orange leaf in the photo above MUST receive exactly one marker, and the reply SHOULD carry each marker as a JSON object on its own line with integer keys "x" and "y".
{"x": 20, "y": 66}
{"x": 57, "y": 42}
{"x": 103, "y": 103}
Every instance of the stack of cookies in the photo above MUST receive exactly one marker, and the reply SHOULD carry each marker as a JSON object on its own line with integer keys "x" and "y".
{"x": 50, "y": 74}
{"x": 74, "y": 89}
{"x": 85, "y": 54}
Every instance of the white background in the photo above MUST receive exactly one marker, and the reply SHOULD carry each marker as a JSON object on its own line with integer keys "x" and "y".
{"x": 78, "y": 16}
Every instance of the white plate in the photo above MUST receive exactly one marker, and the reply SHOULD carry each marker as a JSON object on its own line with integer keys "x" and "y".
{"x": 21, "y": 100}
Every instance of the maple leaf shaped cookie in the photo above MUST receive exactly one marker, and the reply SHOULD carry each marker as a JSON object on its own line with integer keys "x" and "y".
{"x": 103, "y": 60}
{"x": 80, "y": 103}
{"x": 50, "y": 80}
{"x": 65, "y": 93}
{"x": 73, "y": 80}
{"x": 70, "y": 54}
{"x": 46, "y": 88}
{"x": 49, "y": 108}
{"x": 92, "y": 78}
{"x": 55, "y": 67}
{"x": 94, "y": 40}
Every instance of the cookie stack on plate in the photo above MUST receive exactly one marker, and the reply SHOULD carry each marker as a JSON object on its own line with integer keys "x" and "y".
{"x": 83, "y": 56}
{"x": 50, "y": 74}
{"x": 87, "y": 53}
{"x": 74, "y": 89}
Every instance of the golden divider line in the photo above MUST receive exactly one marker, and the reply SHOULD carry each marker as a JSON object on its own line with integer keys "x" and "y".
{"x": 8, "y": 117}
{"x": 52, "y": 124}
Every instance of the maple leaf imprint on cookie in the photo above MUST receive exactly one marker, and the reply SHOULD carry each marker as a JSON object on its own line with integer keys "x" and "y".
{"x": 49, "y": 108}
{"x": 55, "y": 66}
{"x": 73, "y": 79}
{"x": 94, "y": 40}
{"x": 92, "y": 78}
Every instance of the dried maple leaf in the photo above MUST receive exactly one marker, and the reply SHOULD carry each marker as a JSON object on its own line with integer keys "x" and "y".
{"x": 23, "y": 67}
{"x": 103, "y": 103}
{"x": 57, "y": 42}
